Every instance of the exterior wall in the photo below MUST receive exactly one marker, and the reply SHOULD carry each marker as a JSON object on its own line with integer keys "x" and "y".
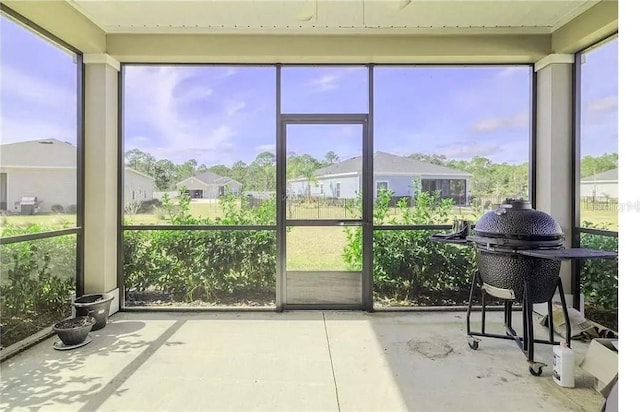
{"x": 234, "y": 187}
{"x": 599, "y": 189}
{"x": 137, "y": 187}
{"x": 51, "y": 186}
{"x": 403, "y": 185}
{"x": 298, "y": 188}
{"x": 399, "y": 185}
{"x": 211, "y": 191}
{"x": 192, "y": 184}
{"x": 349, "y": 187}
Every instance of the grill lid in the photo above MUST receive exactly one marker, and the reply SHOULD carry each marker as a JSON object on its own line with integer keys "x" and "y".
{"x": 516, "y": 219}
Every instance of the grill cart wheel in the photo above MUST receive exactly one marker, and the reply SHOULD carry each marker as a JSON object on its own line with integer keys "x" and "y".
{"x": 473, "y": 343}
{"x": 536, "y": 369}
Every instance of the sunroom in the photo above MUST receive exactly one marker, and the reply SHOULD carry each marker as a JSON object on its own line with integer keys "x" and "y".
{"x": 323, "y": 143}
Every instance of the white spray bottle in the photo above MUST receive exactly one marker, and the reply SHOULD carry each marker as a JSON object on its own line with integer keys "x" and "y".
{"x": 563, "y": 365}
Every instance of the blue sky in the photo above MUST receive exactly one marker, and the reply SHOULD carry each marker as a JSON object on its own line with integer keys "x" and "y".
{"x": 221, "y": 114}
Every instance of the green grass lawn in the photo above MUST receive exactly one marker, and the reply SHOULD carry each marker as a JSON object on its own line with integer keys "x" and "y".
{"x": 316, "y": 248}
{"x": 320, "y": 239}
{"x": 43, "y": 220}
{"x": 213, "y": 211}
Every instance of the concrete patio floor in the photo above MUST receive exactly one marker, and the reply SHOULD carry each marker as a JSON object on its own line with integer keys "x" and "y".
{"x": 297, "y": 361}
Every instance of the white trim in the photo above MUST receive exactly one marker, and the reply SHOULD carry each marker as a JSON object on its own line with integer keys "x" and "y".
{"x": 553, "y": 59}
{"x": 462, "y": 176}
{"x": 303, "y": 179}
{"x": 101, "y": 58}
{"x": 129, "y": 169}
{"x": 194, "y": 178}
{"x": 382, "y": 181}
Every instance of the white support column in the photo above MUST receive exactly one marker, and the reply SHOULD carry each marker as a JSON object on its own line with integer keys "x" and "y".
{"x": 101, "y": 174}
{"x": 554, "y": 156}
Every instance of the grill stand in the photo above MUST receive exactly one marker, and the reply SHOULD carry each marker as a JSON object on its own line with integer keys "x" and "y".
{"x": 527, "y": 340}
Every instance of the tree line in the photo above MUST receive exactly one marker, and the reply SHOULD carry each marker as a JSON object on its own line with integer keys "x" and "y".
{"x": 488, "y": 178}
{"x": 259, "y": 175}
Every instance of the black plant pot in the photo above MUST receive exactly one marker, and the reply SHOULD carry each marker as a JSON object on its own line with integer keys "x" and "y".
{"x": 74, "y": 331}
{"x": 96, "y": 306}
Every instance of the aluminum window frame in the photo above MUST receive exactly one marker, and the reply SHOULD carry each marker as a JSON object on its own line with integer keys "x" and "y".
{"x": 577, "y": 229}
{"x": 78, "y": 229}
{"x": 369, "y": 228}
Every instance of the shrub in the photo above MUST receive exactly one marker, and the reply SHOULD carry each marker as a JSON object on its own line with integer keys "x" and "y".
{"x": 599, "y": 277}
{"x": 72, "y": 209}
{"x": 34, "y": 294}
{"x": 199, "y": 264}
{"x": 205, "y": 265}
{"x": 57, "y": 209}
{"x": 148, "y": 206}
{"x": 409, "y": 267}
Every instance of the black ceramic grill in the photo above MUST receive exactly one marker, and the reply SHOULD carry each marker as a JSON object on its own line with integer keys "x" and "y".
{"x": 519, "y": 252}
{"x": 500, "y": 234}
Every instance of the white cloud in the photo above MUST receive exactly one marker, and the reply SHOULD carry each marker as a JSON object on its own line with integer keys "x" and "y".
{"x": 469, "y": 150}
{"x": 271, "y": 148}
{"x": 34, "y": 127}
{"x": 233, "y": 107}
{"x": 605, "y": 104}
{"x": 494, "y": 124}
{"x": 194, "y": 94}
{"x": 346, "y": 132}
{"x": 228, "y": 72}
{"x": 153, "y": 98}
{"x": 36, "y": 90}
{"x": 325, "y": 82}
{"x": 137, "y": 140}
{"x": 510, "y": 71}
{"x": 35, "y": 107}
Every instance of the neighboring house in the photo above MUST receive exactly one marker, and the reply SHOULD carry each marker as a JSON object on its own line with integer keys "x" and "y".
{"x": 46, "y": 169}
{"x": 138, "y": 187}
{"x": 601, "y": 185}
{"x": 209, "y": 185}
{"x": 394, "y": 173}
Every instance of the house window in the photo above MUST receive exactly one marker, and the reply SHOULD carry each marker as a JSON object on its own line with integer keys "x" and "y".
{"x": 429, "y": 185}
{"x": 458, "y": 190}
{"x": 321, "y": 188}
{"x": 381, "y": 185}
{"x": 338, "y": 189}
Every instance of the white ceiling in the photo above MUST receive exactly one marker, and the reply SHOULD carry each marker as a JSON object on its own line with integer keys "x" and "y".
{"x": 331, "y": 16}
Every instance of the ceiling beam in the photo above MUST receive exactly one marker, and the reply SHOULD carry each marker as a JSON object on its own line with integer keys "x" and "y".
{"x": 211, "y": 48}
{"x": 591, "y": 26}
{"x": 63, "y": 21}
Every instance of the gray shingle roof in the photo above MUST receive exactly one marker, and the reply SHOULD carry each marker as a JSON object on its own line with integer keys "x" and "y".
{"x": 611, "y": 174}
{"x": 386, "y": 163}
{"x": 213, "y": 179}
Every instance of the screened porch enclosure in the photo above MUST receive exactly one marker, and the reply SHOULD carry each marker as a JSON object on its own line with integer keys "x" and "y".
{"x": 280, "y": 156}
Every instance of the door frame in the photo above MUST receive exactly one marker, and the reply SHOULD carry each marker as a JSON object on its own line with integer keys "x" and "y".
{"x": 367, "y": 205}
